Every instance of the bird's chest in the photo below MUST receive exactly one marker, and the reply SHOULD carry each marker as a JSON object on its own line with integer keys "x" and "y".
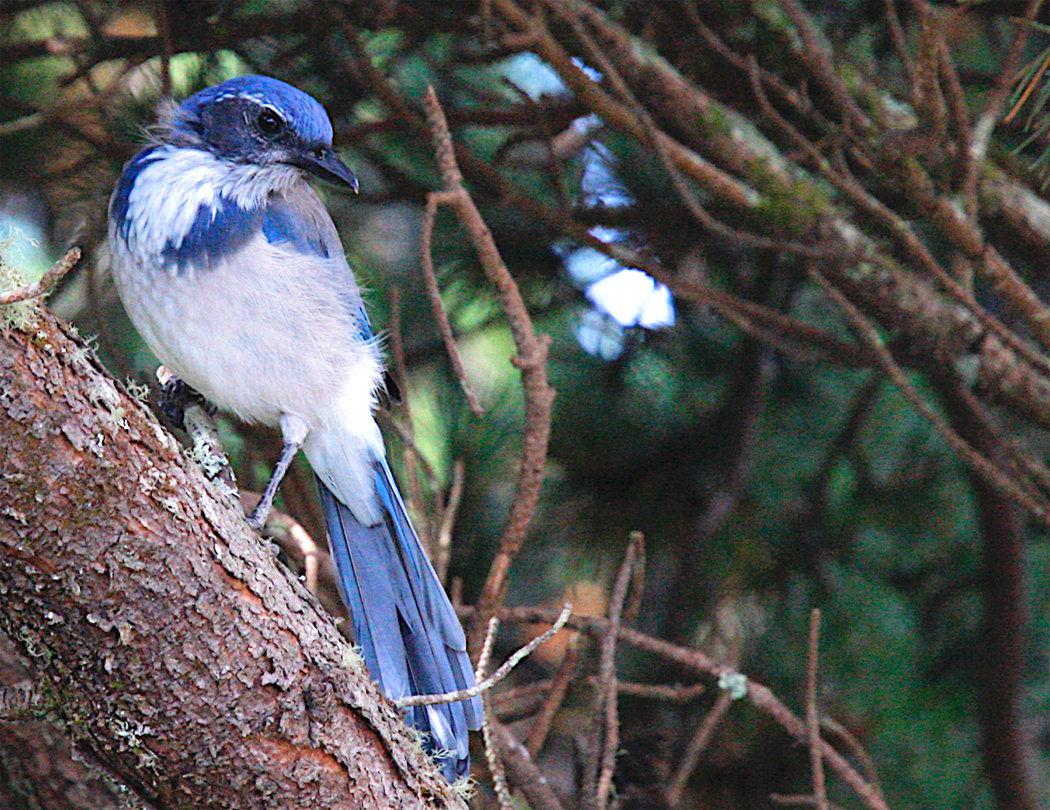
{"x": 260, "y": 334}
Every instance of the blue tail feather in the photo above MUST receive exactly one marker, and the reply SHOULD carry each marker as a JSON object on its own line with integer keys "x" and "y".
{"x": 410, "y": 637}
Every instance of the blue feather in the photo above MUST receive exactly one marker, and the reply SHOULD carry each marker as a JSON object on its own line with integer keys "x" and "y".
{"x": 282, "y": 226}
{"x": 121, "y": 199}
{"x": 409, "y": 634}
{"x": 218, "y": 231}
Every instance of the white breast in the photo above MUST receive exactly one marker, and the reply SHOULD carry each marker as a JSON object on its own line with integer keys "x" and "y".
{"x": 263, "y": 332}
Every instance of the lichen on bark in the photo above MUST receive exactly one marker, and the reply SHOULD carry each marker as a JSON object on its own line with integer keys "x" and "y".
{"x": 171, "y": 643}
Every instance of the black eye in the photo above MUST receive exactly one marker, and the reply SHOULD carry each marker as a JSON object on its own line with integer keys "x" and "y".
{"x": 269, "y": 122}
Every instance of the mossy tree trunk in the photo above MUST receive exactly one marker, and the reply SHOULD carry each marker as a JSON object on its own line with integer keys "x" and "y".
{"x": 165, "y": 636}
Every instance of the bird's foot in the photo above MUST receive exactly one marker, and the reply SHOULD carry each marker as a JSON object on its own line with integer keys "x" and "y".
{"x": 176, "y": 397}
{"x": 257, "y": 517}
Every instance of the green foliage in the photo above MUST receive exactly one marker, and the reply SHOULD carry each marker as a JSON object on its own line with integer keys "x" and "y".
{"x": 878, "y": 528}
{"x": 1030, "y": 99}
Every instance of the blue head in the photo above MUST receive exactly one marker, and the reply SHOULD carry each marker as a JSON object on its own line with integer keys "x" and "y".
{"x": 262, "y": 121}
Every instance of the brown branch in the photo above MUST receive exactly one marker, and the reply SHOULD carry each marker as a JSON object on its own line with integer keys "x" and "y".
{"x": 658, "y": 141}
{"x": 46, "y": 282}
{"x": 899, "y": 230}
{"x": 559, "y": 688}
{"x": 696, "y": 746}
{"x": 523, "y": 772}
{"x": 758, "y": 695}
{"x": 855, "y": 748}
{"x": 492, "y": 756}
{"x": 448, "y": 520}
{"x": 723, "y": 185}
{"x": 233, "y": 681}
{"x": 960, "y": 117}
{"x": 927, "y": 97}
{"x": 434, "y": 199}
{"x": 985, "y": 125}
{"x": 1006, "y": 747}
{"x": 821, "y": 64}
{"x": 816, "y": 760}
{"x": 896, "y": 32}
{"x": 412, "y": 455}
{"x": 1004, "y": 81}
{"x": 973, "y": 458}
{"x": 531, "y": 359}
{"x": 597, "y": 781}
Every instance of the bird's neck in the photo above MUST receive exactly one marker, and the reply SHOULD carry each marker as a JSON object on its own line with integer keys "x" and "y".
{"x": 248, "y": 185}
{"x": 164, "y": 190}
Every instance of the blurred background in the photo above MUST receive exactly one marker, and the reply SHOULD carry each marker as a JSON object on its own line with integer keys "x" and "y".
{"x": 767, "y": 480}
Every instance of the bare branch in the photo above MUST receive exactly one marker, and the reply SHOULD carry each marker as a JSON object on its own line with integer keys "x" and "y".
{"x": 812, "y": 714}
{"x": 497, "y": 676}
{"x": 531, "y": 359}
{"x": 46, "y": 282}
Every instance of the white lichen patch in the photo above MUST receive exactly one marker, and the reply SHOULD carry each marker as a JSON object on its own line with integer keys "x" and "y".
{"x": 21, "y": 315}
{"x": 102, "y": 392}
{"x": 138, "y": 391}
{"x": 201, "y": 452}
{"x": 352, "y": 658}
{"x": 131, "y": 734}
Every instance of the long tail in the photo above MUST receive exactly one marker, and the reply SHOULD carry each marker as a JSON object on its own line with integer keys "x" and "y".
{"x": 412, "y": 641}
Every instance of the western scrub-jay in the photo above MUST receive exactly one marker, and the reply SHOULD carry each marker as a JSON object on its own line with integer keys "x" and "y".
{"x": 230, "y": 267}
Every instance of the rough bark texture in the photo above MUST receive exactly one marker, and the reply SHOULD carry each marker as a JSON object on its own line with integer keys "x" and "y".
{"x": 163, "y": 633}
{"x": 38, "y": 766}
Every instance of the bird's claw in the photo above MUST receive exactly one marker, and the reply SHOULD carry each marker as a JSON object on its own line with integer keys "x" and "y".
{"x": 176, "y": 397}
{"x": 257, "y": 518}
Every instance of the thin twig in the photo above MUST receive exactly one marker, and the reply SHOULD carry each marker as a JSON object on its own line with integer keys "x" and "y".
{"x": 496, "y": 677}
{"x": 821, "y": 64}
{"x": 696, "y": 746}
{"x": 412, "y": 455}
{"x": 901, "y": 232}
{"x": 559, "y": 688}
{"x": 900, "y": 45}
{"x": 523, "y": 771}
{"x": 486, "y": 649}
{"x": 658, "y": 140}
{"x": 637, "y": 589}
{"x": 758, "y": 695}
{"x": 855, "y": 747}
{"x": 812, "y": 715}
{"x": 448, "y": 519}
{"x": 974, "y": 459}
{"x": 46, "y": 282}
{"x": 434, "y": 199}
{"x": 982, "y": 130}
{"x": 606, "y": 708}
{"x": 797, "y": 800}
{"x": 531, "y": 359}
{"x": 492, "y": 756}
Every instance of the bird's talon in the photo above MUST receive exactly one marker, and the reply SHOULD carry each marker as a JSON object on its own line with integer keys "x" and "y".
{"x": 257, "y": 519}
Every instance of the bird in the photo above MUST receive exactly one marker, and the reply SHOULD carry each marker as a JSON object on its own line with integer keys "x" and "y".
{"x": 231, "y": 269}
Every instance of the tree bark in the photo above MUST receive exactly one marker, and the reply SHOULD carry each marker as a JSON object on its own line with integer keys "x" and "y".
{"x": 38, "y": 766}
{"x": 164, "y": 635}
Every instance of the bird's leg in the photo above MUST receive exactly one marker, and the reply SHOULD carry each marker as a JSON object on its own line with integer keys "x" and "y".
{"x": 293, "y": 431}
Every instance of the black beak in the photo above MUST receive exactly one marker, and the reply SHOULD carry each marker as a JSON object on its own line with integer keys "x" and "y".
{"x": 325, "y": 163}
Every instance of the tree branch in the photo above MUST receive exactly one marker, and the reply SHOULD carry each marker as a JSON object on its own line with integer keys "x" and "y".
{"x": 162, "y": 632}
